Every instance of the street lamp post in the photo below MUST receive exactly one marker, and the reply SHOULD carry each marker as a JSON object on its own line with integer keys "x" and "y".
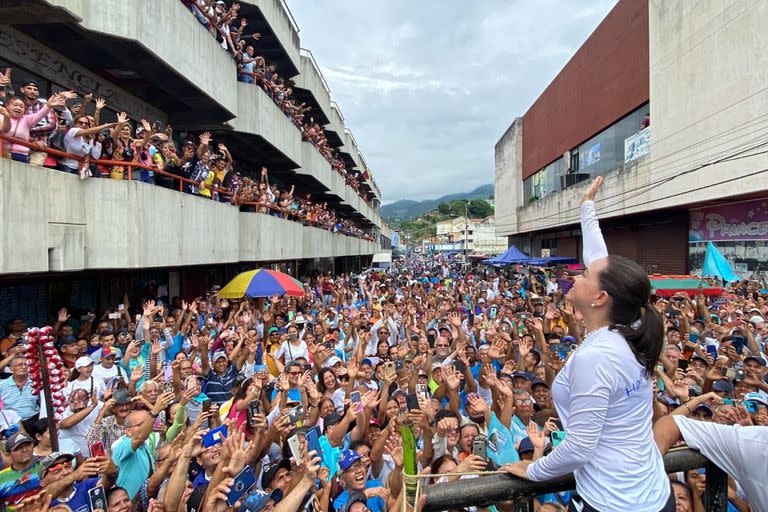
{"x": 466, "y": 231}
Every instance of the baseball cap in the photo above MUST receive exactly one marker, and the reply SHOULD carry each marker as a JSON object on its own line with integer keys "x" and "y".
{"x": 218, "y": 355}
{"x": 354, "y": 497}
{"x": 526, "y": 446}
{"x": 722, "y": 386}
{"x": 348, "y": 457}
{"x": 271, "y": 471}
{"x": 83, "y": 362}
{"x": 272, "y": 330}
{"x": 756, "y": 319}
{"x": 16, "y": 440}
{"x": 121, "y": 397}
{"x": 522, "y": 375}
{"x": 703, "y": 407}
{"x": 367, "y": 361}
{"x": 539, "y": 382}
{"x": 67, "y": 340}
{"x": 758, "y": 359}
{"x": 258, "y": 499}
{"x": 332, "y": 419}
{"x": 333, "y": 360}
{"x": 51, "y": 459}
{"x": 29, "y": 83}
{"x": 700, "y": 358}
{"x": 759, "y": 396}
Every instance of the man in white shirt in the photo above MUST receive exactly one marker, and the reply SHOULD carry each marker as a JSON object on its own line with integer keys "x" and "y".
{"x": 742, "y": 452}
{"x": 106, "y": 370}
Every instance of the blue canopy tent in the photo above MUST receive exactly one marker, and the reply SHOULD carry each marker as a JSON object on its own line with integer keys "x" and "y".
{"x": 510, "y": 257}
{"x": 552, "y": 260}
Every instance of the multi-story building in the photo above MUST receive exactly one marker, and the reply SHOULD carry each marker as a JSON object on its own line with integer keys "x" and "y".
{"x": 67, "y": 241}
{"x": 476, "y": 235}
{"x": 667, "y": 101}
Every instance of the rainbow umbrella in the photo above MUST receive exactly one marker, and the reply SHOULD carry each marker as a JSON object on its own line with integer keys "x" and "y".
{"x": 261, "y": 283}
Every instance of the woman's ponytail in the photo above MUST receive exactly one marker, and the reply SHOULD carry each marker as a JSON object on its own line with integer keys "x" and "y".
{"x": 632, "y": 315}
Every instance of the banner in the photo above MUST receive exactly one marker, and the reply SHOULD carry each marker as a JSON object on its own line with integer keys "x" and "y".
{"x": 747, "y": 220}
{"x": 590, "y": 156}
{"x": 637, "y": 145}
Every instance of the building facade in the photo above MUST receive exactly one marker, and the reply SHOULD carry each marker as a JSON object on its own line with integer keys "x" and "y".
{"x": 475, "y": 235}
{"x": 666, "y": 100}
{"x": 79, "y": 243}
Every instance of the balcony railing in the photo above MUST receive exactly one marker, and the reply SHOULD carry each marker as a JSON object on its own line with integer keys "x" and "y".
{"x": 487, "y": 490}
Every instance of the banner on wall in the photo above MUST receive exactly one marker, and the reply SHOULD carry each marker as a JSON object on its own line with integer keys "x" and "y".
{"x": 637, "y": 145}
{"x": 591, "y": 156}
{"x": 746, "y": 220}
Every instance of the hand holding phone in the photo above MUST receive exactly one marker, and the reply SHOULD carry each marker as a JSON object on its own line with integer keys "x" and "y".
{"x": 242, "y": 483}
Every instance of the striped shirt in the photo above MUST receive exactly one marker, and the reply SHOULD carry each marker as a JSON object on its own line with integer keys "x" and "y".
{"x": 21, "y": 400}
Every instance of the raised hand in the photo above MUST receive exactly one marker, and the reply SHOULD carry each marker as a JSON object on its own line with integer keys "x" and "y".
{"x": 100, "y": 103}
{"x": 538, "y": 437}
{"x": 592, "y": 190}
{"x": 63, "y": 316}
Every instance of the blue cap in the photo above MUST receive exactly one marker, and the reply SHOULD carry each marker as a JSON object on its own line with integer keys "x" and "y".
{"x": 569, "y": 339}
{"x": 260, "y": 368}
{"x": 722, "y": 386}
{"x": 526, "y": 446}
{"x": 522, "y": 375}
{"x": 366, "y": 361}
{"x": 348, "y": 457}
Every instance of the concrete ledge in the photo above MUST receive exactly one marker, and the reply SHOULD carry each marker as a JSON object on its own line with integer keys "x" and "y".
{"x": 160, "y": 30}
{"x": 56, "y": 222}
{"x": 257, "y": 114}
{"x": 280, "y": 21}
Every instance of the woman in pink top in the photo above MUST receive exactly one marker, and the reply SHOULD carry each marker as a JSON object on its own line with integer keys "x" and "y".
{"x": 17, "y": 124}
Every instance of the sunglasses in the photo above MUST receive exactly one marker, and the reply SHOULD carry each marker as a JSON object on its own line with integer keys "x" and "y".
{"x": 59, "y": 467}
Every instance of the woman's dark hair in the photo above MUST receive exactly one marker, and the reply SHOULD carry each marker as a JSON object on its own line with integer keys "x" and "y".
{"x": 36, "y": 428}
{"x": 321, "y": 380}
{"x": 632, "y": 315}
{"x": 439, "y": 462}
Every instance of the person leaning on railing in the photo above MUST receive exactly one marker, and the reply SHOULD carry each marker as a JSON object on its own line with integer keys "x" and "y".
{"x": 17, "y": 123}
{"x": 79, "y": 141}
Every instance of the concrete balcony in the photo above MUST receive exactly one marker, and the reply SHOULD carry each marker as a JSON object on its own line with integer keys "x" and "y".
{"x": 56, "y": 222}
{"x": 311, "y": 79}
{"x": 257, "y": 114}
{"x": 146, "y": 43}
{"x": 278, "y": 17}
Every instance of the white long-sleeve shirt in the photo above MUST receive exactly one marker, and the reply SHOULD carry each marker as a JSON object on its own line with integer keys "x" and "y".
{"x": 605, "y": 404}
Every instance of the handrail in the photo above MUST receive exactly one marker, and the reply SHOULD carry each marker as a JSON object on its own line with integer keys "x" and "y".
{"x": 335, "y": 106}
{"x": 120, "y": 163}
{"x": 290, "y": 16}
{"x": 311, "y": 57}
{"x": 214, "y": 24}
{"x": 298, "y": 217}
{"x": 130, "y": 165}
{"x": 487, "y": 490}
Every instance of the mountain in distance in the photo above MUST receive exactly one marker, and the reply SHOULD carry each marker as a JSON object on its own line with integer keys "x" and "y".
{"x": 406, "y": 209}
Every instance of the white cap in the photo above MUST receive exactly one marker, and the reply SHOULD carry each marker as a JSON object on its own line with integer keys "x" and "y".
{"x": 757, "y": 319}
{"x": 83, "y": 362}
{"x": 333, "y": 360}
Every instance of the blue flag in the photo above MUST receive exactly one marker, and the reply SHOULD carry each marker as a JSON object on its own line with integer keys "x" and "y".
{"x": 715, "y": 264}
{"x": 501, "y": 443}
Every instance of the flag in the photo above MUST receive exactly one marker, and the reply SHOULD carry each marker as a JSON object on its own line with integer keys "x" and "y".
{"x": 501, "y": 443}
{"x": 715, "y": 264}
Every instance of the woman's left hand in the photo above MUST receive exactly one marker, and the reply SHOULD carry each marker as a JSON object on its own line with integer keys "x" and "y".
{"x": 518, "y": 469}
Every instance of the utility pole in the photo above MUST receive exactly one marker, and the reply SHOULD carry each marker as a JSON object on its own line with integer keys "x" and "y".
{"x": 466, "y": 231}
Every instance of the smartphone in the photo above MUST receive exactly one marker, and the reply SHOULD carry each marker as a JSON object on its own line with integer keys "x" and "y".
{"x": 294, "y": 443}
{"x": 480, "y": 446}
{"x": 471, "y": 319}
{"x": 732, "y": 374}
{"x": 389, "y": 369}
{"x": 659, "y": 382}
{"x": 399, "y": 365}
{"x": 114, "y": 316}
{"x": 431, "y": 340}
{"x": 138, "y": 318}
{"x": 159, "y": 303}
{"x": 190, "y": 383}
{"x": 557, "y": 437}
{"x": 120, "y": 307}
{"x": 682, "y": 364}
{"x": 738, "y": 343}
{"x": 355, "y": 397}
{"x": 313, "y": 441}
{"x": 712, "y": 350}
{"x": 750, "y": 406}
{"x": 207, "y": 405}
{"x": 421, "y": 390}
{"x": 412, "y": 402}
{"x": 254, "y": 408}
{"x": 231, "y": 329}
{"x": 98, "y": 498}
{"x": 215, "y": 436}
{"x": 295, "y": 414}
{"x": 560, "y": 347}
{"x": 243, "y": 482}
{"x": 97, "y": 449}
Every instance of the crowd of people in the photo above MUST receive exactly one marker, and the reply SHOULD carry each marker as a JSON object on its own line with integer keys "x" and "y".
{"x": 322, "y": 402}
{"x": 225, "y": 24}
{"x": 64, "y": 122}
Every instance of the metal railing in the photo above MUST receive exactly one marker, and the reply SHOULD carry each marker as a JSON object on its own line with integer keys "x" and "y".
{"x": 487, "y": 490}
{"x": 131, "y": 166}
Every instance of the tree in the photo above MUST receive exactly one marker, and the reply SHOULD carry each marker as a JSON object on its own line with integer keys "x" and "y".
{"x": 479, "y": 208}
{"x": 457, "y": 208}
{"x": 444, "y": 208}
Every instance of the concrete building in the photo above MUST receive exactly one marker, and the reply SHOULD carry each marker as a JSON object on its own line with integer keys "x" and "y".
{"x": 82, "y": 243}
{"x": 478, "y": 235}
{"x": 696, "y": 174}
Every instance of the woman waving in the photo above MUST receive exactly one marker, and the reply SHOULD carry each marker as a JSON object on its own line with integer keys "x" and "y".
{"x": 603, "y": 395}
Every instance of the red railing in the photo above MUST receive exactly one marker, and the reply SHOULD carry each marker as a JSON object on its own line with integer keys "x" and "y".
{"x": 130, "y": 166}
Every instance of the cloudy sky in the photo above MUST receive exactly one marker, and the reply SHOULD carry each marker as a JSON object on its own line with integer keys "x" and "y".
{"x": 427, "y": 87}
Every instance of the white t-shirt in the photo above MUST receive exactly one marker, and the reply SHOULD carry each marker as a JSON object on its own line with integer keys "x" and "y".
{"x": 77, "y": 433}
{"x": 739, "y": 451}
{"x": 104, "y": 374}
{"x": 292, "y": 352}
{"x": 89, "y": 384}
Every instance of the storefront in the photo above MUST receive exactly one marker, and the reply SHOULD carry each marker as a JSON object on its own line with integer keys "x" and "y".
{"x": 739, "y": 230}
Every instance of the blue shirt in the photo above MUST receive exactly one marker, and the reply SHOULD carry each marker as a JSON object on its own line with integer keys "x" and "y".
{"x": 134, "y": 466}
{"x": 79, "y": 501}
{"x": 219, "y": 387}
{"x": 21, "y": 400}
{"x": 375, "y": 504}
